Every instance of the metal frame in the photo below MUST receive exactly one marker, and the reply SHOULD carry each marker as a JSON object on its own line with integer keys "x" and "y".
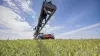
{"x": 47, "y": 11}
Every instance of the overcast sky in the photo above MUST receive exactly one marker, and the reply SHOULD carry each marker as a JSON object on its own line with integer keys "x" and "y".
{"x": 73, "y": 19}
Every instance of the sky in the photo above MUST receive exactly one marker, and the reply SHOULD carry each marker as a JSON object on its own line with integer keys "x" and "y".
{"x": 73, "y": 19}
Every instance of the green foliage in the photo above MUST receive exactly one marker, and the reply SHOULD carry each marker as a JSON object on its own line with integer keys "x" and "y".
{"x": 50, "y": 47}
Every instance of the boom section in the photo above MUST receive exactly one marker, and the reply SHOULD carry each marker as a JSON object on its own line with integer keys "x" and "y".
{"x": 47, "y": 11}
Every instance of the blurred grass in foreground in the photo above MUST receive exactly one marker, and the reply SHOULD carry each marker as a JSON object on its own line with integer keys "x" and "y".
{"x": 50, "y": 47}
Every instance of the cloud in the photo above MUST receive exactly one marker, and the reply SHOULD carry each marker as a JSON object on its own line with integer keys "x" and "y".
{"x": 50, "y": 29}
{"x": 20, "y": 5}
{"x": 10, "y": 3}
{"x": 65, "y": 34}
{"x": 11, "y": 20}
{"x": 12, "y": 24}
{"x": 25, "y": 4}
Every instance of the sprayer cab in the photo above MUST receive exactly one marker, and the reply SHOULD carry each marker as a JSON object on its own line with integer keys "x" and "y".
{"x": 46, "y": 36}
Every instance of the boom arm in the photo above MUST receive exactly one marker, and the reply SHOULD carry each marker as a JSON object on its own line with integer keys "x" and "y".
{"x": 47, "y": 11}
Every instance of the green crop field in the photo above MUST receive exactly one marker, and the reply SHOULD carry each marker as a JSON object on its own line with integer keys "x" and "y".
{"x": 50, "y": 47}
